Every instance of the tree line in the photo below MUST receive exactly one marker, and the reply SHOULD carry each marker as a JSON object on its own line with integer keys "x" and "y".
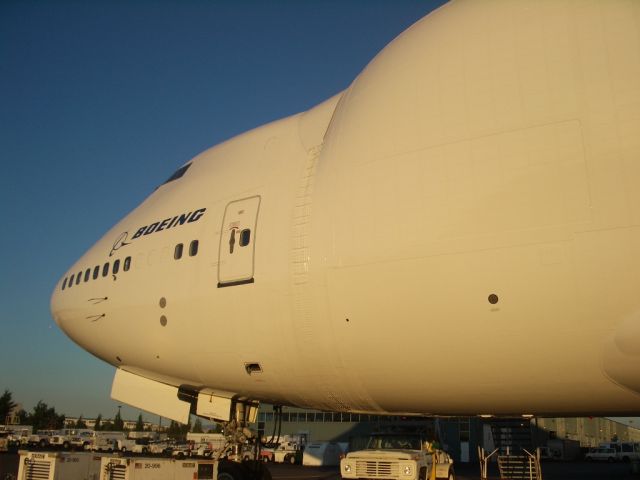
{"x": 43, "y": 417}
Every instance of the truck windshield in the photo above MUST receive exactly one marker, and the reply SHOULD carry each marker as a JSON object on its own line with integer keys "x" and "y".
{"x": 394, "y": 442}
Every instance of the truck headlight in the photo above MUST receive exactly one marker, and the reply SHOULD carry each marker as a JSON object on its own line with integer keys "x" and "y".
{"x": 347, "y": 468}
{"x": 407, "y": 470}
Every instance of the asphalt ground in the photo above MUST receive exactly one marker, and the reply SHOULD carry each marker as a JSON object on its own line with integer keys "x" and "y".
{"x": 469, "y": 471}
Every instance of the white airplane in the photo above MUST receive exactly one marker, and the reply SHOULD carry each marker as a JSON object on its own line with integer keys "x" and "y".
{"x": 456, "y": 233}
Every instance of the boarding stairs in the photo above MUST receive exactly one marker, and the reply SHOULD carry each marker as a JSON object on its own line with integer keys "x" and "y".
{"x": 520, "y": 467}
{"x": 513, "y": 434}
{"x": 514, "y": 450}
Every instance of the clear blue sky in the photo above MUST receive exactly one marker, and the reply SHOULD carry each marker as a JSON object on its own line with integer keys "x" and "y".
{"x": 101, "y": 101}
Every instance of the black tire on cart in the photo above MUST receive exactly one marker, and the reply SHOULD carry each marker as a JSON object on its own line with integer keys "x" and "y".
{"x": 231, "y": 471}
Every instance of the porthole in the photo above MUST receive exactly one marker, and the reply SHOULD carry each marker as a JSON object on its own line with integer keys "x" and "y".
{"x": 177, "y": 253}
{"x": 193, "y": 248}
{"x": 71, "y": 280}
{"x": 127, "y": 264}
{"x": 78, "y": 278}
{"x": 116, "y": 266}
{"x": 245, "y": 237}
{"x": 105, "y": 269}
{"x": 96, "y": 271}
{"x": 87, "y": 274}
{"x": 64, "y": 283}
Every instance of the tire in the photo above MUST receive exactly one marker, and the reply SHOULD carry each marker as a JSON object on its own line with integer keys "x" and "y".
{"x": 123, "y": 449}
{"x": 66, "y": 445}
{"x": 231, "y": 471}
{"x": 292, "y": 459}
{"x": 256, "y": 470}
{"x": 42, "y": 443}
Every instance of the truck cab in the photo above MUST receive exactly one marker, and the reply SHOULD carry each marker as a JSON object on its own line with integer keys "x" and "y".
{"x": 397, "y": 456}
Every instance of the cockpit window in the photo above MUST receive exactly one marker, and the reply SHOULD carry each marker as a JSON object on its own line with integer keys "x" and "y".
{"x": 178, "y": 173}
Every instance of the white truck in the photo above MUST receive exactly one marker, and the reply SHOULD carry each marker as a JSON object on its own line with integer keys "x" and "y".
{"x": 105, "y": 441}
{"x": 68, "y": 438}
{"x": 397, "y": 456}
{"x": 41, "y": 438}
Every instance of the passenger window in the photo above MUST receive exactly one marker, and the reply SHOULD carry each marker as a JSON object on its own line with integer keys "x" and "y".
{"x": 127, "y": 264}
{"x": 87, "y": 274}
{"x": 71, "y": 280}
{"x": 64, "y": 283}
{"x": 105, "y": 269}
{"x": 193, "y": 248}
{"x": 78, "y": 278}
{"x": 96, "y": 271}
{"x": 245, "y": 237}
{"x": 116, "y": 266}
{"x": 177, "y": 253}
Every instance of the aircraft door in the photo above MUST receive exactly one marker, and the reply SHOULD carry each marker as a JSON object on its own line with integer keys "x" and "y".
{"x": 237, "y": 242}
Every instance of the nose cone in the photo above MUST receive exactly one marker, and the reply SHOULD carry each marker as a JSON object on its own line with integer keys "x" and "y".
{"x": 56, "y": 306}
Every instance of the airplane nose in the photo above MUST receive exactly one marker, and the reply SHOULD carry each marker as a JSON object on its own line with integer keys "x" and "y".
{"x": 55, "y": 306}
{"x": 65, "y": 306}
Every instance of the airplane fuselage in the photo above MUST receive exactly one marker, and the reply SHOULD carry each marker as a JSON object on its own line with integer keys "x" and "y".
{"x": 458, "y": 232}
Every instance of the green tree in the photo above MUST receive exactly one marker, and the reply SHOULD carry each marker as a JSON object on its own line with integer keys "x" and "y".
{"x": 197, "y": 426}
{"x": 98, "y": 425}
{"x": 118, "y": 423}
{"x": 6, "y": 405}
{"x": 217, "y": 428}
{"x": 139, "y": 424}
{"x": 178, "y": 431}
{"x": 81, "y": 423}
{"x": 44, "y": 417}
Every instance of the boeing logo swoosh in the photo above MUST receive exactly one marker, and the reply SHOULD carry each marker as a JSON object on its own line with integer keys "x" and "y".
{"x": 120, "y": 242}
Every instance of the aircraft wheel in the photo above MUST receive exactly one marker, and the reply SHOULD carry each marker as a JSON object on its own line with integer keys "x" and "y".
{"x": 256, "y": 470}
{"x": 231, "y": 471}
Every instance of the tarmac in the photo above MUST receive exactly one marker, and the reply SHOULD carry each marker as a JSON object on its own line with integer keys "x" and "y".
{"x": 464, "y": 471}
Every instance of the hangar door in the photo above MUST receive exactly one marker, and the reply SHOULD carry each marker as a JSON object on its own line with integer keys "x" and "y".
{"x": 237, "y": 242}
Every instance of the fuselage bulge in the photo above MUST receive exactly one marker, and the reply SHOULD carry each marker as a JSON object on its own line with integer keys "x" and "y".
{"x": 458, "y": 232}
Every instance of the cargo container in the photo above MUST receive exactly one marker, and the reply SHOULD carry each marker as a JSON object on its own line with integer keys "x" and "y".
{"x": 59, "y": 466}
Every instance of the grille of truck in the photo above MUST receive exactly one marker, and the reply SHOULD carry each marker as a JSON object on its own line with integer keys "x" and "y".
{"x": 376, "y": 469}
{"x": 37, "y": 470}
